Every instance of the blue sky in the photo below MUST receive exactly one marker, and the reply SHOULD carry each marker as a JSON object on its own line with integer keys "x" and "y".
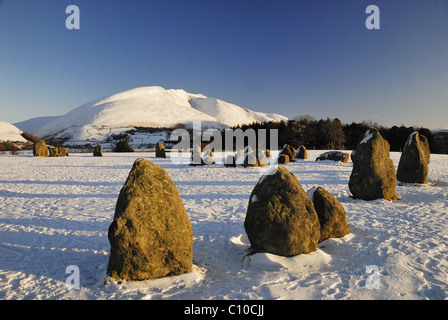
{"x": 290, "y": 57}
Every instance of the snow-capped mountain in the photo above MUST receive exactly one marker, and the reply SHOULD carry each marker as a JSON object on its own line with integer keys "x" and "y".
{"x": 9, "y": 132}
{"x": 153, "y": 107}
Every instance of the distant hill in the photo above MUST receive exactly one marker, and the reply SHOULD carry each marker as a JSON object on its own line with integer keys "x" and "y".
{"x": 145, "y": 107}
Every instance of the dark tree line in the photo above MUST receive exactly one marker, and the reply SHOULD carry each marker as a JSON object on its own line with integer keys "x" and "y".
{"x": 332, "y": 134}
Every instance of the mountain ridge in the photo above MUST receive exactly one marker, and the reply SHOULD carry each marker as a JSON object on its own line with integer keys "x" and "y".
{"x": 152, "y": 107}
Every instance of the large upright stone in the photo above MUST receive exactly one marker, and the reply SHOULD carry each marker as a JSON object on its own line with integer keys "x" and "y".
{"x": 280, "y": 217}
{"x": 151, "y": 235}
{"x": 373, "y": 175}
{"x": 413, "y": 166}
{"x": 40, "y": 149}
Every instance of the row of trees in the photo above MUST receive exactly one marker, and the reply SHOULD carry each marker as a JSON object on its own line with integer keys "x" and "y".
{"x": 332, "y": 134}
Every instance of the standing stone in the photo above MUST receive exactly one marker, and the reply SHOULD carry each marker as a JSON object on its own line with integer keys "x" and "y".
{"x": 373, "y": 175}
{"x": 250, "y": 160}
{"x": 207, "y": 157}
{"x": 151, "y": 235}
{"x": 414, "y": 160}
{"x": 196, "y": 156}
{"x": 230, "y": 161}
{"x": 160, "y": 150}
{"x": 280, "y": 217}
{"x": 40, "y": 149}
{"x": 53, "y": 152}
{"x": 62, "y": 152}
{"x": 283, "y": 159}
{"x": 262, "y": 159}
{"x": 301, "y": 153}
{"x": 239, "y": 157}
{"x": 331, "y": 213}
{"x": 289, "y": 151}
{"x": 98, "y": 151}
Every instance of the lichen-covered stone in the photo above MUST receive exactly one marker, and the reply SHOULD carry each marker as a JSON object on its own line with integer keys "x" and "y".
{"x": 280, "y": 218}
{"x": 40, "y": 149}
{"x": 331, "y": 213}
{"x": 151, "y": 235}
{"x": 373, "y": 175}
{"x": 413, "y": 166}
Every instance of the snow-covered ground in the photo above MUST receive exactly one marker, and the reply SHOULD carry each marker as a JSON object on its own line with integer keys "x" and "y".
{"x": 55, "y": 212}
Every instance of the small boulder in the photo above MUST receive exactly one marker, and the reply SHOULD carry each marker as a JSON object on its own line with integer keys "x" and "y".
{"x": 301, "y": 153}
{"x": 280, "y": 218}
{"x": 151, "y": 235}
{"x": 331, "y": 213}
{"x": 160, "y": 150}
{"x": 373, "y": 174}
{"x": 413, "y": 166}
{"x": 98, "y": 151}
{"x": 40, "y": 149}
{"x": 334, "y": 156}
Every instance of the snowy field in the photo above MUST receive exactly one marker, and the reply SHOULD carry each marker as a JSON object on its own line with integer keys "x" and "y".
{"x": 55, "y": 212}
